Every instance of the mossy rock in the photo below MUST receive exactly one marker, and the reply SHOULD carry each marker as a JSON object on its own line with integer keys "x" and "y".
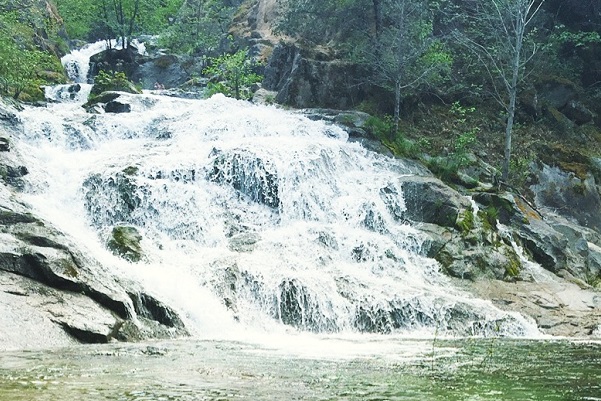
{"x": 559, "y": 120}
{"x": 112, "y": 82}
{"x": 104, "y": 97}
{"x": 125, "y": 242}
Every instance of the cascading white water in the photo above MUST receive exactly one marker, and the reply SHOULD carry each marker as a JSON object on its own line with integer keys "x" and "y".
{"x": 76, "y": 63}
{"x": 252, "y": 217}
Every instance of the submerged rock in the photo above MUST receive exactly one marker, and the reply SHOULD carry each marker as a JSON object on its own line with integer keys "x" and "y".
{"x": 113, "y": 198}
{"x": 4, "y": 144}
{"x": 117, "y": 107}
{"x": 125, "y": 242}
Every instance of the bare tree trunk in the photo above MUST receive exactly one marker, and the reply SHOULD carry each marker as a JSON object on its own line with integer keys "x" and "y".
{"x": 132, "y": 21}
{"x": 397, "y": 108}
{"x": 377, "y": 7}
{"x": 508, "y": 132}
{"x": 521, "y": 21}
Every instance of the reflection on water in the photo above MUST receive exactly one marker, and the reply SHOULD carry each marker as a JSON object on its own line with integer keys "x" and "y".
{"x": 469, "y": 369}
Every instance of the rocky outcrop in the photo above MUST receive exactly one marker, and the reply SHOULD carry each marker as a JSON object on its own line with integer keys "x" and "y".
{"x": 113, "y": 60}
{"x": 304, "y": 80}
{"x": 533, "y": 261}
{"x": 164, "y": 71}
{"x": 78, "y": 294}
{"x": 428, "y": 200}
{"x": 56, "y": 294}
{"x": 151, "y": 71}
{"x": 117, "y": 107}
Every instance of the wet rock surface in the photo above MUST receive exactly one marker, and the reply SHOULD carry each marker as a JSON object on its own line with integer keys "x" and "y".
{"x": 53, "y": 294}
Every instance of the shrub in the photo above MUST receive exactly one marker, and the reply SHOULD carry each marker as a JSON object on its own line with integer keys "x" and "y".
{"x": 232, "y": 74}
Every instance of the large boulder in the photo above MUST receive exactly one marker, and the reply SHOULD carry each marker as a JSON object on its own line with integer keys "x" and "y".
{"x": 118, "y": 60}
{"x": 166, "y": 70}
{"x": 429, "y": 200}
{"x": 117, "y": 107}
{"x": 569, "y": 194}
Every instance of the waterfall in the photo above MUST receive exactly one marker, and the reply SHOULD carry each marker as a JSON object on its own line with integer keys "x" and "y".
{"x": 77, "y": 62}
{"x": 252, "y": 217}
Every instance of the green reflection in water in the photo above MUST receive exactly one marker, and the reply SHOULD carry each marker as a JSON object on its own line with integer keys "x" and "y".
{"x": 459, "y": 370}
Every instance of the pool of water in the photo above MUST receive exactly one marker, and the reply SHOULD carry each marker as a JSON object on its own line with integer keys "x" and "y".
{"x": 327, "y": 369}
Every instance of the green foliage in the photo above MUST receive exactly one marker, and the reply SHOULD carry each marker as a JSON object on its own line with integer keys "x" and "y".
{"x": 23, "y": 66}
{"x": 106, "y": 81}
{"x": 78, "y": 16}
{"x": 514, "y": 265}
{"x": 344, "y": 22}
{"x": 232, "y": 74}
{"x": 489, "y": 217}
{"x": 520, "y": 169}
{"x": 200, "y": 27}
{"x": 109, "y": 19}
{"x": 111, "y": 81}
{"x": 383, "y": 129}
{"x": 466, "y": 221}
{"x": 467, "y": 137}
{"x": 562, "y": 36}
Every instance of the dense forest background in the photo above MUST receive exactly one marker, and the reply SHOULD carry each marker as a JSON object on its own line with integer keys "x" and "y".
{"x": 442, "y": 79}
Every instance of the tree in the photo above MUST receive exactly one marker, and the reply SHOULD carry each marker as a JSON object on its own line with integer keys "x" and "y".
{"x": 232, "y": 75}
{"x": 501, "y": 36}
{"x": 23, "y": 65}
{"x": 344, "y": 22}
{"x": 200, "y": 25}
{"x": 405, "y": 53}
{"x": 116, "y": 19}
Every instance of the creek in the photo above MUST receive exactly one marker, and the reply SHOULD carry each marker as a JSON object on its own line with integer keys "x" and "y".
{"x": 281, "y": 245}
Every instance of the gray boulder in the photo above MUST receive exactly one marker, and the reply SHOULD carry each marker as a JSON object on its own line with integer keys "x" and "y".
{"x": 429, "y": 200}
{"x": 166, "y": 70}
{"x": 572, "y": 196}
{"x": 4, "y": 144}
{"x": 63, "y": 289}
{"x": 117, "y": 107}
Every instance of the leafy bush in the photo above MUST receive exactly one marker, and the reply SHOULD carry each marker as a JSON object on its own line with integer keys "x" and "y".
{"x": 110, "y": 81}
{"x": 232, "y": 74}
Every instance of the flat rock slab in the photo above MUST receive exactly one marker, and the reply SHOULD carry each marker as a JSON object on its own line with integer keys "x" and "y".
{"x": 559, "y": 307}
{"x": 22, "y": 324}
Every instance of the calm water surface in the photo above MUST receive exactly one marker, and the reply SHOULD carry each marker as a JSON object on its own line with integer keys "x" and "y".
{"x": 338, "y": 369}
